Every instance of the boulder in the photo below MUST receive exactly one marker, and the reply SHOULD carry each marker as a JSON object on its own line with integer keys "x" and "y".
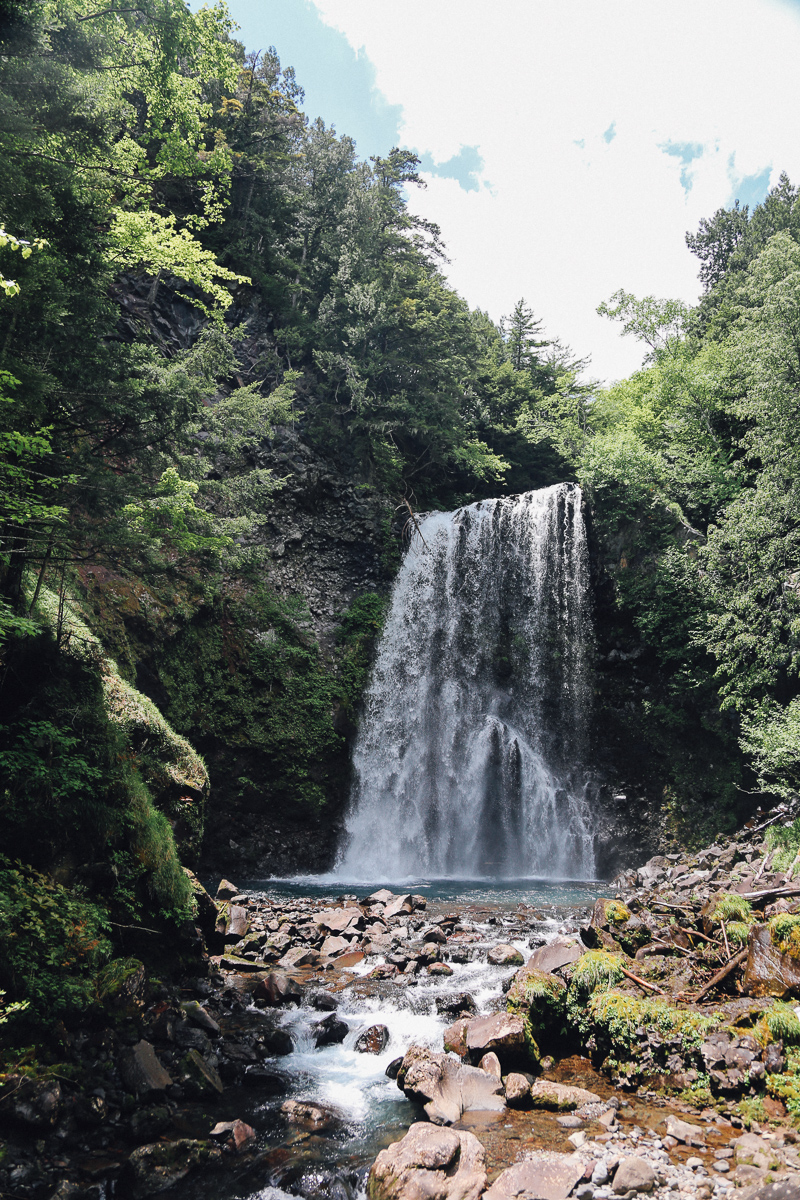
{"x": 546, "y": 1093}
{"x": 684, "y": 1131}
{"x": 446, "y": 1088}
{"x": 299, "y": 956}
{"x": 309, "y": 1116}
{"x": 429, "y": 1163}
{"x": 336, "y": 920}
{"x": 543, "y": 1176}
{"x": 518, "y": 1090}
{"x": 455, "y": 1037}
{"x": 491, "y": 1064}
{"x": 36, "y": 1103}
{"x": 556, "y": 954}
{"x": 439, "y": 968}
{"x": 332, "y": 947}
{"x": 330, "y": 1031}
{"x": 141, "y": 1071}
{"x": 452, "y": 1006}
{"x": 382, "y": 896}
{"x": 199, "y": 1078}
{"x": 277, "y": 989}
{"x": 149, "y": 1123}
{"x": 238, "y": 1132}
{"x": 160, "y": 1165}
{"x": 373, "y": 1040}
{"x": 504, "y": 955}
{"x": 634, "y": 1174}
{"x": 400, "y": 904}
{"x": 198, "y": 1016}
{"x": 501, "y": 1032}
{"x": 232, "y": 962}
{"x": 226, "y": 890}
{"x": 238, "y": 923}
{"x": 767, "y": 971}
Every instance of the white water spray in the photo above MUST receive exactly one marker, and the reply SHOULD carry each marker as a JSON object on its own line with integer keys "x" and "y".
{"x": 469, "y": 757}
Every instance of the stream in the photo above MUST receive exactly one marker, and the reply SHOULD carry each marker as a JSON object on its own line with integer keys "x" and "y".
{"x": 368, "y": 1110}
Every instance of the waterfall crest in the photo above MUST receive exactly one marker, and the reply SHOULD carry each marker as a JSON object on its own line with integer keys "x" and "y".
{"x": 469, "y": 757}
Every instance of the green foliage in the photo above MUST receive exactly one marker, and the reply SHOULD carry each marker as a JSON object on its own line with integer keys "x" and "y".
{"x": 738, "y": 932}
{"x": 784, "y": 932}
{"x": 786, "y": 1086}
{"x": 596, "y": 970}
{"x": 540, "y": 999}
{"x": 782, "y": 1024}
{"x": 53, "y": 940}
{"x": 358, "y": 632}
{"x": 728, "y": 906}
{"x": 785, "y": 839}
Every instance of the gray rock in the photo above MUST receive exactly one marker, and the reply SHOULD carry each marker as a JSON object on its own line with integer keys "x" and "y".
{"x": 545, "y": 1176}
{"x": 683, "y": 1131}
{"x": 558, "y": 953}
{"x": 309, "y": 1116}
{"x": 446, "y": 1088}
{"x": 196, "y": 1013}
{"x": 226, "y": 890}
{"x": 429, "y": 1163}
{"x": 634, "y": 1174}
{"x": 336, "y": 920}
{"x": 518, "y": 1090}
{"x": 31, "y": 1102}
{"x": 159, "y": 1166}
{"x": 330, "y": 1031}
{"x": 141, "y": 1070}
{"x": 491, "y": 1063}
{"x": 199, "y": 1077}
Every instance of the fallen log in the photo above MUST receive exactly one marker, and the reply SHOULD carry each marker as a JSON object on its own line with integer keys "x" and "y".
{"x": 731, "y": 965}
{"x": 790, "y": 891}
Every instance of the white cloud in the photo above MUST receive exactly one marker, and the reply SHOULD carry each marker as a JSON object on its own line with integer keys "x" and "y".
{"x": 525, "y": 80}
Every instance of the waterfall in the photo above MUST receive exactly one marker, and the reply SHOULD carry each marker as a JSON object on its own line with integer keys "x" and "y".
{"x": 469, "y": 759}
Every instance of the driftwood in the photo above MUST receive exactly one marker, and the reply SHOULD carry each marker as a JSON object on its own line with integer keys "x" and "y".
{"x": 773, "y": 891}
{"x": 642, "y": 982}
{"x": 659, "y": 947}
{"x": 731, "y": 965}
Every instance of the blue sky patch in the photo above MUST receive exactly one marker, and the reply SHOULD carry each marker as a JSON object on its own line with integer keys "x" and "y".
{"x": 465, "y": 167}
{"x": 339, "y": 83}
{"x": 749, "y": 189}
{"x": 687, "y": 152}
{"x": 611, "y": 132}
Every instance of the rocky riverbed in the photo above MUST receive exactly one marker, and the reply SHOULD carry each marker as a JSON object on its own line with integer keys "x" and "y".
{"x": 647, "y": 1044}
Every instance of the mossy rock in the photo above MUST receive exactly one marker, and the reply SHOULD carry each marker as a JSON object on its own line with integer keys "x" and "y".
{"x": 541, "y": 1000}
{"x": 784, "y": 932}
{"x": 725, "y": 907}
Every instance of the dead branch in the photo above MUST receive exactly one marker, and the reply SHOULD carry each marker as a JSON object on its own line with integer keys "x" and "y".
{"x": 642, "y": 982}
{"x": 731, "y": 965}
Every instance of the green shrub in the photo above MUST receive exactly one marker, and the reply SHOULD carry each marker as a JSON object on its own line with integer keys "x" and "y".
{"x": 785, "y": 839}
{"x": 597, "y": 969}
{"x": 53, "y": 942}
{"x": 727, "y": 906}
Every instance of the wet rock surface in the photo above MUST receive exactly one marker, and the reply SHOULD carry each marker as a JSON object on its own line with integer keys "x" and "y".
{"x": 206, "y": 1083}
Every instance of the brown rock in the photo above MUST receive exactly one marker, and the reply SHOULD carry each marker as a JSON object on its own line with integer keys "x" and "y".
{"x": 401, "y": 904}
{"x": 491, "y": 1063}
{"x": 309, "y": 1116}
{"x": 634, "y": 1174}
{"x": 199, "y": 1077}
{"x": 546, "y": 1093}
{"x": 277, "y": 989}
{"x": 455, "y": 1037}
{"x": 767, "y": 971}
{"x": 546, "y": 1176}
{"x": 503, "y": 955}
{"x": 226, "y": 890}
{"x": 429, "y": 1163}
{"x": 558, "y": 953}
{"x": 373, "y": 1040}
{"x": 684, "y": 1131}
{"x": 332, "y": 947}
{"x": 336, "y": 920}
{"x": 141, "y": 1070}
{"x": 500, "y": 1032}
{"x": 518, "y": 1090}
{"x": 238, "y": 923}
{"x": 382, "y": 896}
{"x": 299, "y": 956}
{"x": 241, "y": 1134}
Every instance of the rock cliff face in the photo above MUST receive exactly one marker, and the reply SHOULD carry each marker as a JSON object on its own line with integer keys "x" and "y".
{"x": 328, "y": 537}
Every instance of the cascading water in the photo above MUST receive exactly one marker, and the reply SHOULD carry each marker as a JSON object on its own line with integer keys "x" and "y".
{"x": 469, "y": 757}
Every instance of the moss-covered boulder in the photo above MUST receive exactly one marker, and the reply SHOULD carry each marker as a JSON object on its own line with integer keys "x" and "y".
{"x": 541, "y": 1000}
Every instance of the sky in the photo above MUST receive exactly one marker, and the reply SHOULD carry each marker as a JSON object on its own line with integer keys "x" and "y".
{"x": 567, "y": 147}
